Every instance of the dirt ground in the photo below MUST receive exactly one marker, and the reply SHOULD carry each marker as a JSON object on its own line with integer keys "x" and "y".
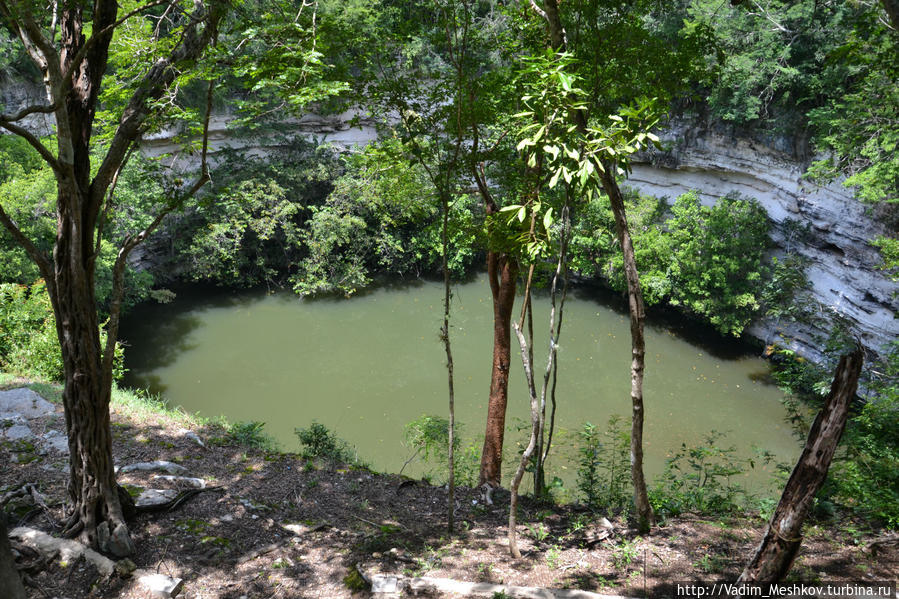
{"x": 278, "y": 526}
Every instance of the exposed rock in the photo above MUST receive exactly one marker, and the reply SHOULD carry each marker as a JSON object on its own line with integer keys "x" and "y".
{"x": 189, "y": 434}
{"x": 26, "y": 402}
{"x": 389, "y": 584}
{"x": 184, "y": 481}
{"x": 117, "y": 543}
{"x": 158, "y": 465}
{"x": 57, "y": 441}
{"x": 67, "y": 549}
{"x": 159, "y": 585}
{"x": 17, "y": 431}
{"x": 155, "y": 497}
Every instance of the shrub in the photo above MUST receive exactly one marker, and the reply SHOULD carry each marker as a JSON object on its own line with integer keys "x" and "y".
{"x": 319, "y": 442}
{"x": 698, "y": 478}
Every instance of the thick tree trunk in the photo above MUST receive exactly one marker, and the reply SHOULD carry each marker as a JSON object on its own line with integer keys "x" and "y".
{"x": 637, "y": 313}
{"x": 10, "y": 581}
{"x": 502, "y": 272}
{"x": 776, "y": 552}
{"x": 96, "y": 514}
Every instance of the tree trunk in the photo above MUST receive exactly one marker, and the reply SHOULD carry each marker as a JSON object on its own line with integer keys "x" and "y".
{"x": 502, "y": 272}
{"x": 451, "y": 450}
{"x": 637, "y": 313}
{"x": 10, "y": 581}
{"x": 96, "y": 509}
{"x": 776, "y": 552}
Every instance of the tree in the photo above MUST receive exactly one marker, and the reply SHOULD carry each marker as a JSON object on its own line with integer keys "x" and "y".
{"x": 10, "y": 581}
{"x": 73, "y": 66}
{"x": 73, "y": 48}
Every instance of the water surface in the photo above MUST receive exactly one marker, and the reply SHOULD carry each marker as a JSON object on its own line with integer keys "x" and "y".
{"x": 366, "y": 366}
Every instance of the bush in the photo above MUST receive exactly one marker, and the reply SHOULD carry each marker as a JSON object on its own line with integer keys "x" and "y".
{"x": 319, "y": 442}
{"x": 28, "y": 341}
{"x": 249, "y": 434}
{"x": 697, "y": 479}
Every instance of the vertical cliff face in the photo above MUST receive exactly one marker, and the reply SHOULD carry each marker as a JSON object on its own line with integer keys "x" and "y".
{"x": 845, "y": 282}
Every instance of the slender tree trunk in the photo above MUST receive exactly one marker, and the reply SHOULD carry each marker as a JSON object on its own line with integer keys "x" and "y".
{"x": 527, "y": 361}
{"x": 635, "y": 296}
{"x": 10, "y": 580}
{"x": 637, "y": 314}
{"x": 502, "y": 271}
{"x": 445, "y": 335}
{"x": 776, "y": 552}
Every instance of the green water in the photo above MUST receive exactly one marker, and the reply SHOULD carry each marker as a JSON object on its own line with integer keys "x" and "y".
{"x": 366, "y": 366}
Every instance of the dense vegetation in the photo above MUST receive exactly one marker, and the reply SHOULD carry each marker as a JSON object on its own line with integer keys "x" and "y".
{"x": 809, "y": 76}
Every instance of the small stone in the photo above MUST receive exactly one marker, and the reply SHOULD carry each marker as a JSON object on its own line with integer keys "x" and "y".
{"x": 18, "y": 431}
{"x": 297, "y": 529}
{"x": 117, "y": 543}
{"x": 188, "y": 434}
{"x": 161, "y": 585}
{"x": 194, "y": 483}
{"x": 383, "y": 584}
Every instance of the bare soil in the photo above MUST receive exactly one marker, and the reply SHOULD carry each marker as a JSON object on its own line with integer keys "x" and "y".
{"x": 281, "y": 526}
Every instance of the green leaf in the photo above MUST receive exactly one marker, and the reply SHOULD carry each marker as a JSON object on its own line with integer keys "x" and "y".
{"x": 548, "y": 219}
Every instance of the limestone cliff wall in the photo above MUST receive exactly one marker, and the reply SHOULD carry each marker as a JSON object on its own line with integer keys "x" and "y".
{"x": 842, "y": 264}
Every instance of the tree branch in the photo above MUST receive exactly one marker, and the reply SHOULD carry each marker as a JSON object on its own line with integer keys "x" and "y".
{"x": 132, "y": 241}
{"x": 160, "y": 75}
{"x": 98, "y": 35}
{"x": 39, "y": 258}
{"x": 35, "y": 143}
{"x": 33, "y": 109}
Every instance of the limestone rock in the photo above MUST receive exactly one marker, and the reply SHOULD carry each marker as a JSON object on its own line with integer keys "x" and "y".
{"x": 67, "y": 549}
{"x": 184, "y": 481}
{"x": 55, "y": 441}
{"x": 26, "y": 402}
{"x": 17, "y": 431}
{"x": 155, "y": 497}
{"x": 158, "y": 465}
{"x": 160, "y": 585}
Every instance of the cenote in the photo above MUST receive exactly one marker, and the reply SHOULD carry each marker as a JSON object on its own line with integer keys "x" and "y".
{"x": 367, "y": 366}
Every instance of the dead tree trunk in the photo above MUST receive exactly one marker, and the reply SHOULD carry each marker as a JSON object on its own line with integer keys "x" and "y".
{"x": 10, "y": 581}
{"x": 776, "y": 552}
